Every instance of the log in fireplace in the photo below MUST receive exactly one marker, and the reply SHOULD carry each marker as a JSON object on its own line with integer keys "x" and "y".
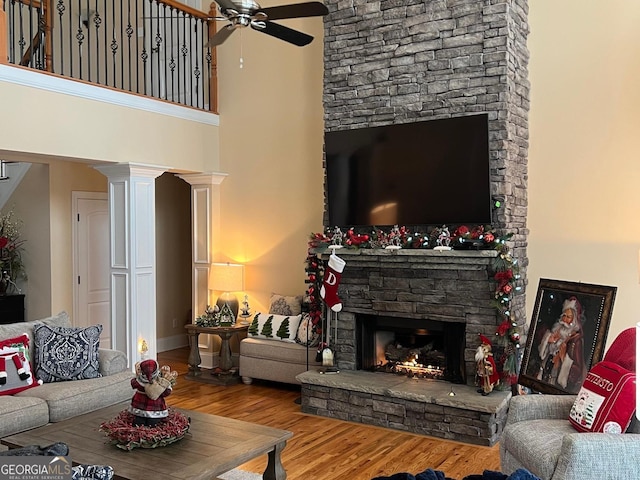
{"x": 417, "y": 348}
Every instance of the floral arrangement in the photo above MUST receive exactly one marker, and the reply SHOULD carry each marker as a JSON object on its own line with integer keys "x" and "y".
{"x": 11, "y": 246}
{"x": 125, "y": 435}
{"x": 478, "y": 237}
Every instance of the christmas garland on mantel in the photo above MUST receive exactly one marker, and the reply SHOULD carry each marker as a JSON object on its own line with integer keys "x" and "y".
{"x": 479, "y": 237}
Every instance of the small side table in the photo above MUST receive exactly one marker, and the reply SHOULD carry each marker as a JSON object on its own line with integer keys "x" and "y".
{"x": 223, "y": 376}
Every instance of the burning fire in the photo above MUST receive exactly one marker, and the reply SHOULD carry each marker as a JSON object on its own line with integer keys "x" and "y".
{"x": 410, "y": 366}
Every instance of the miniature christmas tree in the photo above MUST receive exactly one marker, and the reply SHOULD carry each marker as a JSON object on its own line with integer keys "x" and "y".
{"x": 267, "y": 329}
{"x": 253, "y": 329}
{"x": 283, "y": 331}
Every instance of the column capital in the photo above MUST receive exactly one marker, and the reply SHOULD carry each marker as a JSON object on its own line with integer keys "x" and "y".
{"x": 206, "y": 178}
{"x": 130, "y": 170}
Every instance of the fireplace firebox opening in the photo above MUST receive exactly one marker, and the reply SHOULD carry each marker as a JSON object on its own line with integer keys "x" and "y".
{"x": 419, "y": 348}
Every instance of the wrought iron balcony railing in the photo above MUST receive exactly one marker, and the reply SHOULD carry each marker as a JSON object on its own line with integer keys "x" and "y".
{"x": 156, "y": 48}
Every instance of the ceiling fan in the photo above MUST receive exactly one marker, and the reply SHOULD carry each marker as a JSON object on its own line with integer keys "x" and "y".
{"x": 247, "y": 13}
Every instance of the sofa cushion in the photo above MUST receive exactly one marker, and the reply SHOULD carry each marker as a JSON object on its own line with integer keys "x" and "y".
{"x": 21, "y": 413}
{"x": 66, "y": 353}
{"x": 69, "y": 399}
{"x": 539, "y": 452}
{"x": 15, "y": 368}
{"x": 278, "y": 351}
{"x": 14, "y": 329}
{"x": 285, "y": 305}
{"x": 607, "y": 400}
{"x": 275, "y": 327}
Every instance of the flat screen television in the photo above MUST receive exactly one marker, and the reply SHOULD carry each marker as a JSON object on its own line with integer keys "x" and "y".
{"x": 433, "y": 172}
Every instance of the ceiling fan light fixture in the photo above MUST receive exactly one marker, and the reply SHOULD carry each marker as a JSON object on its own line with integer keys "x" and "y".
{"x": 245, "y": 13}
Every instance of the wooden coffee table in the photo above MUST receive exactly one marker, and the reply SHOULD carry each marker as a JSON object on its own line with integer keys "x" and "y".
{"x": 214, "y": 445}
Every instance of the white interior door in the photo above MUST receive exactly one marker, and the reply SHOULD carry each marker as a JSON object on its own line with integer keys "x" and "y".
{"x": 91, "y": 262}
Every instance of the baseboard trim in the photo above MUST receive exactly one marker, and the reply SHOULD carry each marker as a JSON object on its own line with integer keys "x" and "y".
{"x": 171, "y": 343}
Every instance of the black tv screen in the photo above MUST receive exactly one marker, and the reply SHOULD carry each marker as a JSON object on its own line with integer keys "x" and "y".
{"x": 433, "y": 172}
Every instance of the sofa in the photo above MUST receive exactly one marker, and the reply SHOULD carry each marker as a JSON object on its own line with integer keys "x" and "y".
{"x": 274, "y": 360}
{"x": 278, "y": 354}
{"x": 57, "y": 401}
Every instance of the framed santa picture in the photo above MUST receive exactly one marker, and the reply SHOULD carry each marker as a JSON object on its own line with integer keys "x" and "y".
{"x": 567, "y": 335}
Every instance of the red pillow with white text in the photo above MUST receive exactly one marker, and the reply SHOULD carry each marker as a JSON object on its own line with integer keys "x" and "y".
{"x": 15, "y": 368}
{"x": 607, "y": 400}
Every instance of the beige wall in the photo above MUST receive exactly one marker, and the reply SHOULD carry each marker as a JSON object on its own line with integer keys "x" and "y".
{"x": 173, "y": 256}
{"x": 584, "y": 172}
{"x": 271, "y": 137}
{"x": 78, "y": 128}
{"x": 66, "y": 177}
{"x": 30, "y": 203}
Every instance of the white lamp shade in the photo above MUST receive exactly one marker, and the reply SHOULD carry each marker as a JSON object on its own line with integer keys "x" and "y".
{"x": 226, "y": 277}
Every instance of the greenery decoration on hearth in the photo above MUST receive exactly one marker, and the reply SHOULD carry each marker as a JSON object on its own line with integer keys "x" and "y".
{"x": 479, "y": 237}
{"x": 11, "y": 247}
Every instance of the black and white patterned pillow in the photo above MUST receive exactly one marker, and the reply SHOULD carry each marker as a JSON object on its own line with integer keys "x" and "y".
{"x": 66, "y": 353}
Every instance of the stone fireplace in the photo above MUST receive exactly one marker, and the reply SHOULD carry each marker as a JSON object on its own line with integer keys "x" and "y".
{"x": 392, "y": 62}
{"x": 447, "y": 293}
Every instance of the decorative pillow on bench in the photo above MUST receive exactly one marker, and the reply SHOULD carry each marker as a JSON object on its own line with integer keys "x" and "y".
{"x": 15, "y": 368}
{"x": 274, "y": 327}
{"x": 66, "y": 353}
{"x": 606, "y": 402}
{"x": 307, "y": 335}
{"x": 285, "y": 305}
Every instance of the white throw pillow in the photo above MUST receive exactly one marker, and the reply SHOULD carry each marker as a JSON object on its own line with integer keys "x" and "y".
{"x": 274, "y": 327}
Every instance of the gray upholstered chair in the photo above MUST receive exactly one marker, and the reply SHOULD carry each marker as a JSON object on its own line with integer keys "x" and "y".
{"x": 539, "y": 437}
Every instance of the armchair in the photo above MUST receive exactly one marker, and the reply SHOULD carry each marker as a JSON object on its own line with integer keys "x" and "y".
{"x": 539, "y": 437}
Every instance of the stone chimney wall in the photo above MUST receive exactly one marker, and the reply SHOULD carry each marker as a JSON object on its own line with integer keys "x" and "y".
{"x": 393, "y": 61}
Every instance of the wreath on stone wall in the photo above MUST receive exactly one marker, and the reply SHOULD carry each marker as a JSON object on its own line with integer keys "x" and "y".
{"x": 479, "y": 237}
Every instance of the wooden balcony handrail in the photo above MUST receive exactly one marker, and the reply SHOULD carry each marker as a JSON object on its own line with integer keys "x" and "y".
{"x": 186, "y": 8}
{"x": 35, "y": 44}
{"x": 29, "y": 3}
{"x": 47, "y": 23}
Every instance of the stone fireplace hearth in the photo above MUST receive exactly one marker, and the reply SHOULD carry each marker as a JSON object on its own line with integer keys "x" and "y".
{"x": 452, "y": 289}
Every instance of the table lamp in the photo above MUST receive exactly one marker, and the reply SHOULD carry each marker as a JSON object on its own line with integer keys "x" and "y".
{"x": 227, "y": 278}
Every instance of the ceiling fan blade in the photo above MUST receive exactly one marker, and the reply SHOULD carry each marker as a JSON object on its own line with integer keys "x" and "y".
{"x": 226, "y": 4}
{"x": 295, "y": 10}
{"x": 283, "y": 33}
{"x": 220, "y": 36}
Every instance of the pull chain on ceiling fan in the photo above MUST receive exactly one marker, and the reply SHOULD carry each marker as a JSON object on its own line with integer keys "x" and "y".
{"x": 247, "y": 13}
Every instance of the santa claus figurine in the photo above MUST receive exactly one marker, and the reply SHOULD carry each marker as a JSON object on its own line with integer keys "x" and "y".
{"x": 487, "y": 376}
{"x": 152, "y": 385}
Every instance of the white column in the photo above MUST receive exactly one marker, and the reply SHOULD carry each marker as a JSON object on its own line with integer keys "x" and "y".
{"x": 205, "y": 225}
{"x": 132, "y": 223}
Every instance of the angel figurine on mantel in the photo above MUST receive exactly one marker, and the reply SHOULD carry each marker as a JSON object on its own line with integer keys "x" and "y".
{"x": 244, "y": 311}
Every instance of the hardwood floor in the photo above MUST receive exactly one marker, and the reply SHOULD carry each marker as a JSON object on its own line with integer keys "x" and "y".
{"x": 323, "y": 448}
